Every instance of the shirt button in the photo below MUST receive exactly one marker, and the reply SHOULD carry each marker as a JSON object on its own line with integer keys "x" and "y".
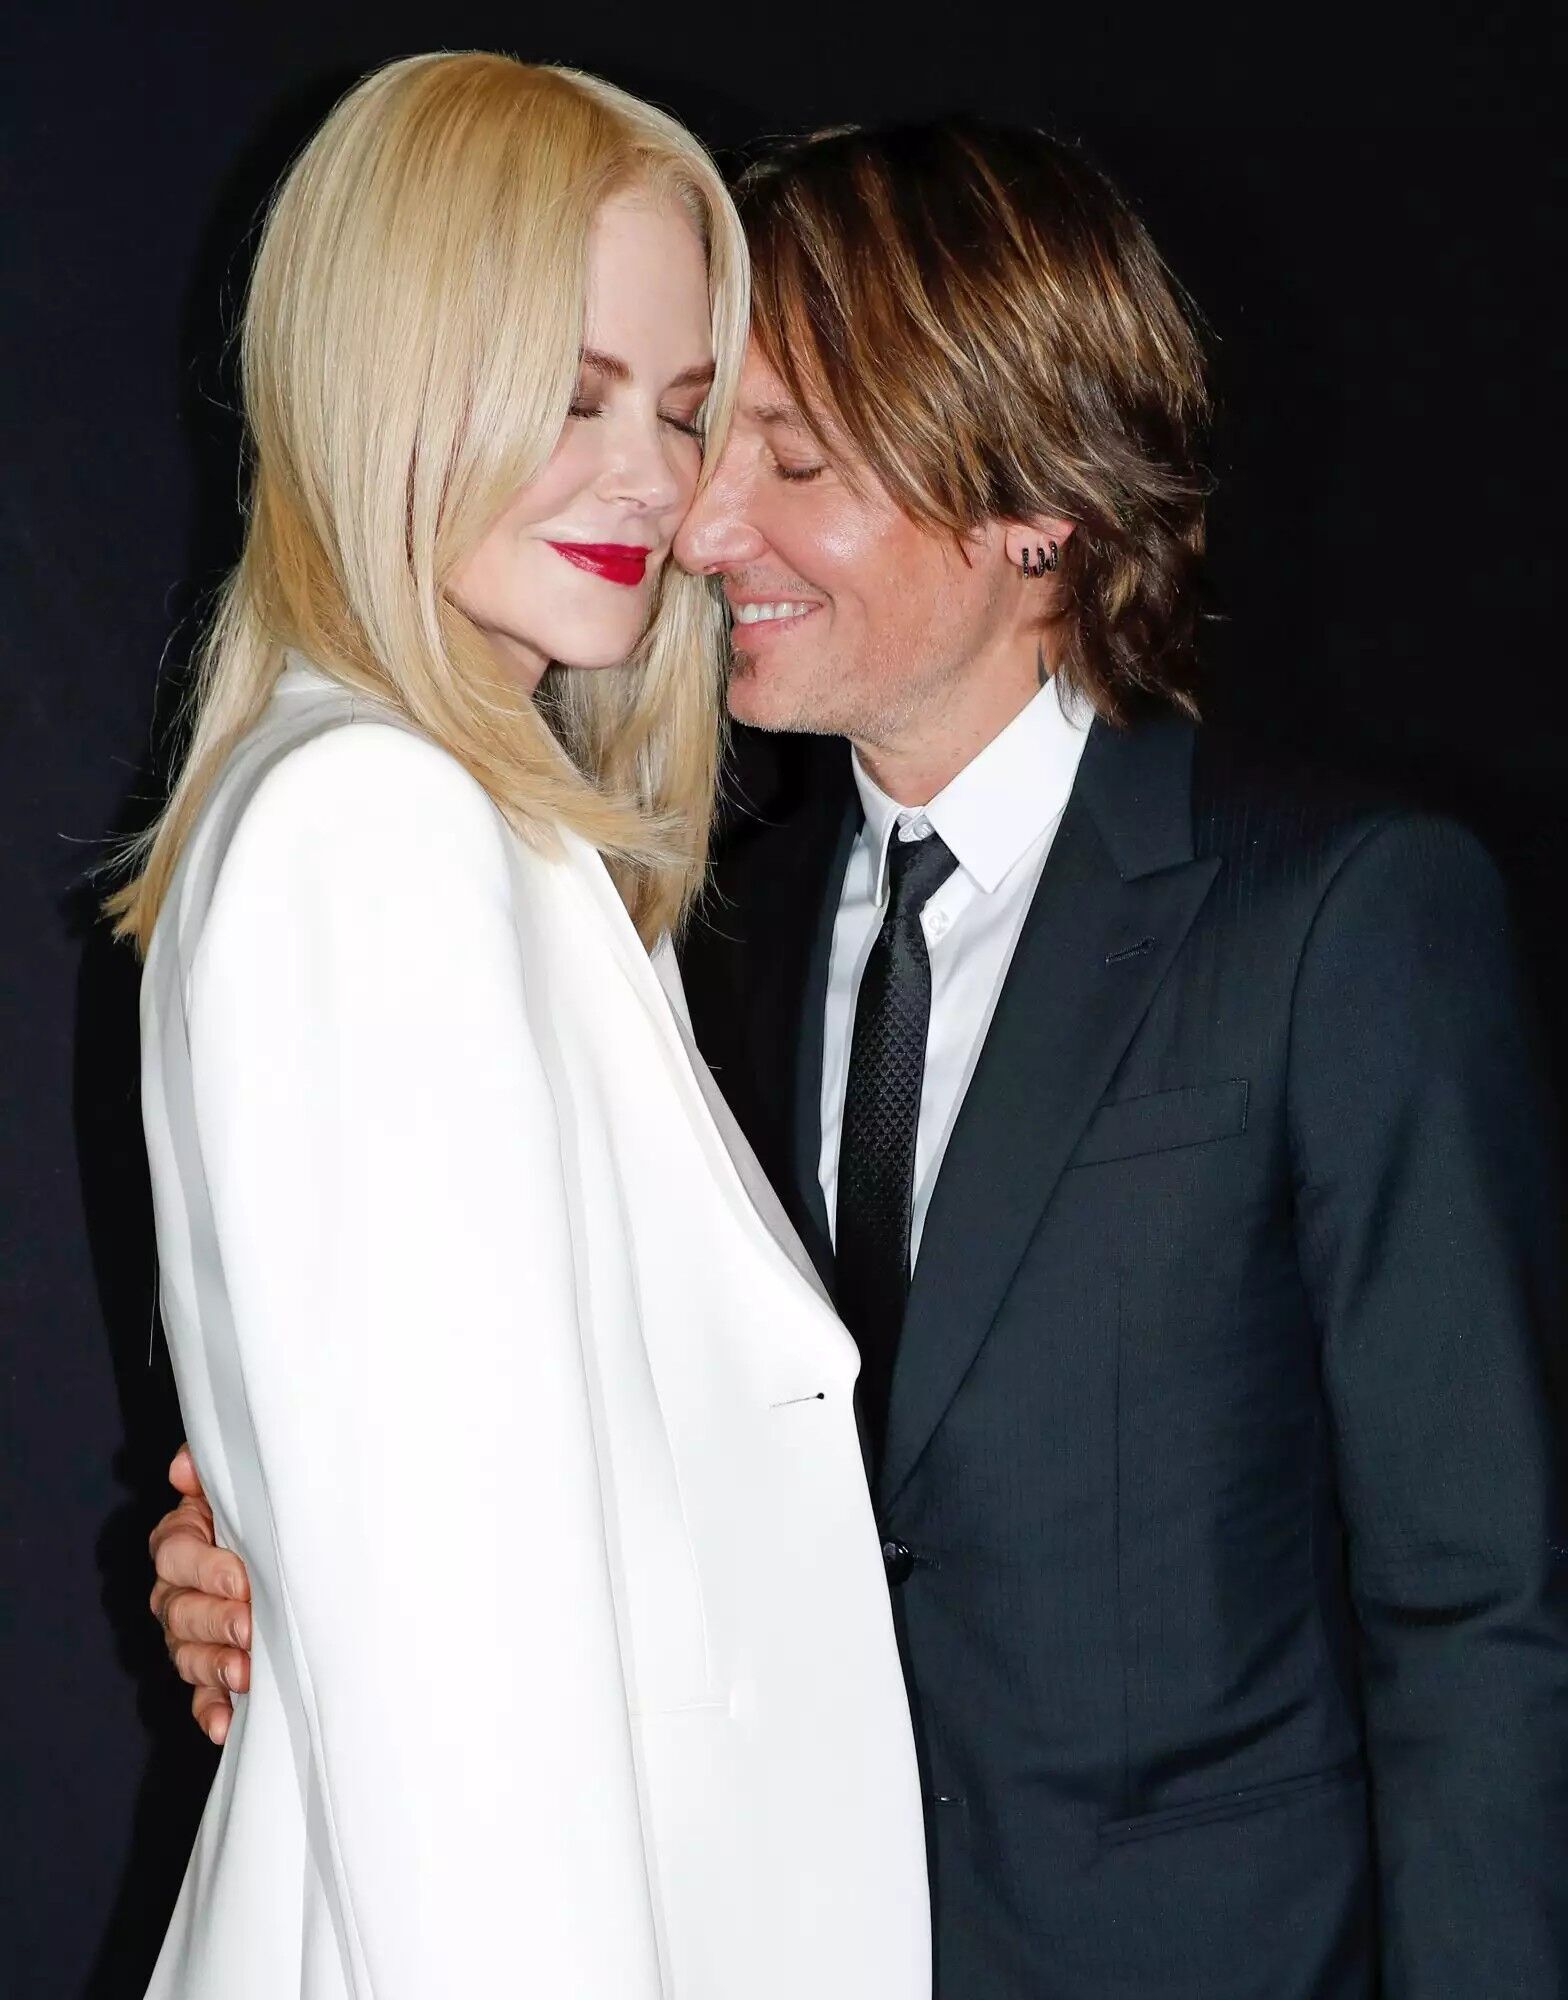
{"x": 936, "y": 923}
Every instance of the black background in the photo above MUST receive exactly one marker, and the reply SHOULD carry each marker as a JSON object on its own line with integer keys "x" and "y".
{"x": 1359, "y": 199}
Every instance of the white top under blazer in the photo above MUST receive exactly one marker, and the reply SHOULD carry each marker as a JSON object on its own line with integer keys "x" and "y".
{"x": 573, "y": 1671}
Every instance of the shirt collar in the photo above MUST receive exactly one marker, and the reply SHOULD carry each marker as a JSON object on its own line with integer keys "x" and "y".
{"x": 1000, "y": 803}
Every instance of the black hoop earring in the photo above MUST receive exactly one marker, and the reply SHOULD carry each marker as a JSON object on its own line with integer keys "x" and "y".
{"x": 1045, "y": 560}
{"x": 1049, "y": 562}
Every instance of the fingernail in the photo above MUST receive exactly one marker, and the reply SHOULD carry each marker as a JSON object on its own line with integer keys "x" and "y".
{"x": 236, "y": 1632}
{"x": 218, "y": 1728}
{"x": 231, "y": 1675}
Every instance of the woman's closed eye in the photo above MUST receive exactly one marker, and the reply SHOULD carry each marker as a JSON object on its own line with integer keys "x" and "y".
{"x": 691, "y": 427}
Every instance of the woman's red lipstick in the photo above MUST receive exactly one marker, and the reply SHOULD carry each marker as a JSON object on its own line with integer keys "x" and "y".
{"x": 616, "y": 562}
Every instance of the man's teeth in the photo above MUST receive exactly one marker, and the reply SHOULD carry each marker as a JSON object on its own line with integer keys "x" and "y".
{"x": 757, "y": 614}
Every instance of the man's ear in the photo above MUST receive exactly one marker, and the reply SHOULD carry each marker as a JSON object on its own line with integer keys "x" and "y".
{"x": 1037, "y": 542}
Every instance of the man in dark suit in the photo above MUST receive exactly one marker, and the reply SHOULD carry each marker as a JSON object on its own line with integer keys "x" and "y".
{"x": 1165, "y": 1126}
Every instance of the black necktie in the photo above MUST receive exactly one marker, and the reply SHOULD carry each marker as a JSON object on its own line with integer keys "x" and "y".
{"x": 876, "y": 1169}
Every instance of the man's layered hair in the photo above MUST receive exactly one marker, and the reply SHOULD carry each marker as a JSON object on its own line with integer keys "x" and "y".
{"x": 980, "y": 315}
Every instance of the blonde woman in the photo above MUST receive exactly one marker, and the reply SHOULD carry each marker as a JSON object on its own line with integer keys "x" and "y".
{"x": 434, "y": 1164}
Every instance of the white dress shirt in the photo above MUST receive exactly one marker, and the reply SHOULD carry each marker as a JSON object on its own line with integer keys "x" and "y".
{"x": 998, "y": 817}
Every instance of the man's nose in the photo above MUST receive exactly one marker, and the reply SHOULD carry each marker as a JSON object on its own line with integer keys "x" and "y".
{"x": 718, "y": 534}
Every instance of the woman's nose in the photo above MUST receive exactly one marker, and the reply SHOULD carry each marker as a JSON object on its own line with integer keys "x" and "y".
{"x": 650, "y": 470}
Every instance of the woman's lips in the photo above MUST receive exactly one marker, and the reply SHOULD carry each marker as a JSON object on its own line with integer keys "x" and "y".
{"x": 616, "y": 562}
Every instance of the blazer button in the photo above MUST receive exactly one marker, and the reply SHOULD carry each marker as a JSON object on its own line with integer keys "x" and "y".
{"x": 898, "y": 1561}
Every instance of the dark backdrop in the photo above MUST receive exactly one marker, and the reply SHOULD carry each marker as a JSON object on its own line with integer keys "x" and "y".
{"x": 1358, "y": 199}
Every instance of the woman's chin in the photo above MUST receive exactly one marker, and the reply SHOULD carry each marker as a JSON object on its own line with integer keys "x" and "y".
{"x": 594, "y": 662}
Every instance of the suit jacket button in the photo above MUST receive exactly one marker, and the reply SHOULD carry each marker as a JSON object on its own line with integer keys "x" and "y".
{"x": 898, "y": 1561}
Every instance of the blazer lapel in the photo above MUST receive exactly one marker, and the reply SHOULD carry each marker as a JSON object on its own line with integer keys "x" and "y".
{"x": 1117, "y": 896}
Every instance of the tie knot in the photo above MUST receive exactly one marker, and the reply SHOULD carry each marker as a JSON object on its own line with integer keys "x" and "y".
{"x": 916, "y": 869}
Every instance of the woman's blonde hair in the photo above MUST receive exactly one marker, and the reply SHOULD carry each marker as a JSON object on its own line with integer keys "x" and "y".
{"x": 410, "y": 347}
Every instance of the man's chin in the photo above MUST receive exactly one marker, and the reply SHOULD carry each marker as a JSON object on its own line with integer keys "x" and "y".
{"x": 761, "y": 700}
{"x": 745, "y": 693}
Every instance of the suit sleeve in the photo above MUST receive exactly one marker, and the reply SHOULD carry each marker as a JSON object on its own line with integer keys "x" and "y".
{"x": 385, "y": 1173}
{"x": 1430, "y": 1233}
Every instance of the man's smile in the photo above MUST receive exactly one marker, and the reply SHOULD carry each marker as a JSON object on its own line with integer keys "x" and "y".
{"x": 771, "y": 614}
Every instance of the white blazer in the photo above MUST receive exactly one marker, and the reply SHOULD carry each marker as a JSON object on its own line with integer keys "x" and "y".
{"x": 573, "y": 1674}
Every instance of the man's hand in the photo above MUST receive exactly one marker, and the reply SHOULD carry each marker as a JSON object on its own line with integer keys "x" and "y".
{"x": 202, "y": 1601}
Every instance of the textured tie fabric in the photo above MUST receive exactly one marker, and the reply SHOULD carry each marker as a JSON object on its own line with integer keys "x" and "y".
{"x": 881, "y": 1121}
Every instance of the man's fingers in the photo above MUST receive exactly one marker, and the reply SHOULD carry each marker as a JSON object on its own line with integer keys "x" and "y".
{"x": 213, "y": 1712}
{"x": 191, "y": 1563}
{"x": 211, "y": 1666}
{"x": 183, "y": 1476}
{"x": 191, "y": 1615}
{"x": 190, "y": 1518}
{"x": 201, "y": 1599}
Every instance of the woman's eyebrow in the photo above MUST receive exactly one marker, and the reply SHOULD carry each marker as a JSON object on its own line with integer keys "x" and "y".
{"x": 614, "y": 369}
{"x": 610, "y": 365}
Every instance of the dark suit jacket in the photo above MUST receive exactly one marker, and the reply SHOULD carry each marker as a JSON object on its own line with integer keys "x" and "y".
{"x": 1220, "y": 1437}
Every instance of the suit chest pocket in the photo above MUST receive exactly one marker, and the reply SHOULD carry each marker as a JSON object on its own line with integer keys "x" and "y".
{"x": 1163, "y": 1121}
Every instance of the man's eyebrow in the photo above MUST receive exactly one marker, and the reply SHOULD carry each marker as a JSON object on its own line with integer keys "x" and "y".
{"x": 783, "y": 415}
{"x": 614, "y": 369}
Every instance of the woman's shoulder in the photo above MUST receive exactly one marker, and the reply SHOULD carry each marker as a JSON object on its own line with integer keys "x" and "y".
{"x": 323, "y": 758}
{"x": 327, "y": 791}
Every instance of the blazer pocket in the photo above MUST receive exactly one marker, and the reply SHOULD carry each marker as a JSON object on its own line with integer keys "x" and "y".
{"x": 1230, "y": 1805}
{"x": 1162, "y": 1121}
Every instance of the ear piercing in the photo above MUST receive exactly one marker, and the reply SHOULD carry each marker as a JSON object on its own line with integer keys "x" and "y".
{"x": 1045, "y": 560}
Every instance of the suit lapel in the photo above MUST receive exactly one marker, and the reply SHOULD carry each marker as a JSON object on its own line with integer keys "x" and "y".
{"x": 758, "y": 1000}
{"x": 805, "y": 1013}
{"x": 1117, "y": 896}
